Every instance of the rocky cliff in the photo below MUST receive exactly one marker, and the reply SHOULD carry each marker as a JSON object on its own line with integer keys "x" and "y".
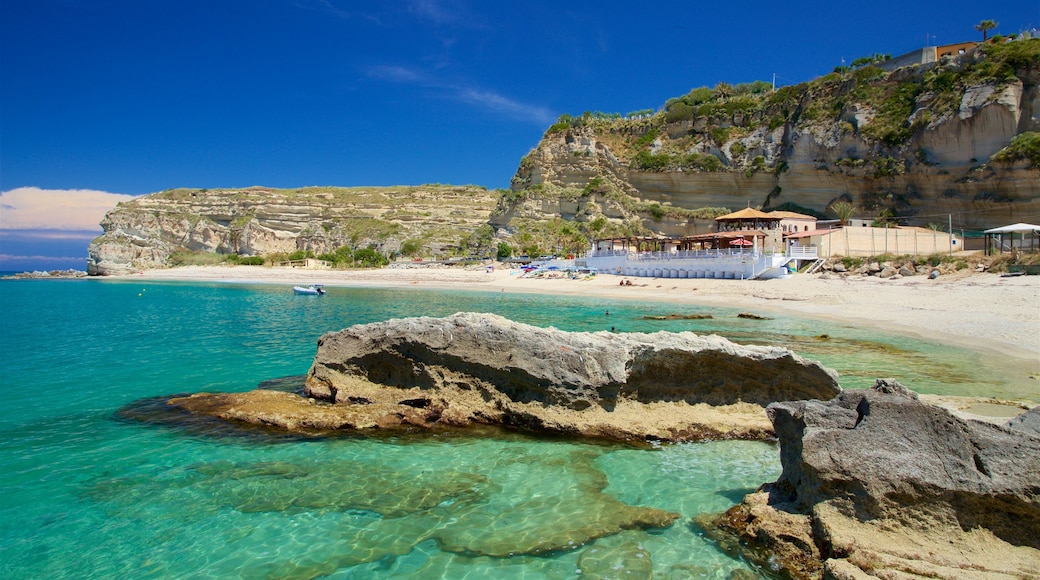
{"x": 148, "y": 231}
{"x": 919, "y": 144}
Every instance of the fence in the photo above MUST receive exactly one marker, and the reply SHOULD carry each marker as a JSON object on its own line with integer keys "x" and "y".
{"x": 897, "y": 241}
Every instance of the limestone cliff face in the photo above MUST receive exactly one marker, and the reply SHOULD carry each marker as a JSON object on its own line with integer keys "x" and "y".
{"x": 826, "y": 142}
{"x": 146, "y": 232}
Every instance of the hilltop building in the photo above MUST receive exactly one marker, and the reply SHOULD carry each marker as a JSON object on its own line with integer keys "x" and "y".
{"x": 926, "y": 55}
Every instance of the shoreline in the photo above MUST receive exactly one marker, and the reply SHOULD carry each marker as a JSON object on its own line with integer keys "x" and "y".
{"x": 977, "y": 311}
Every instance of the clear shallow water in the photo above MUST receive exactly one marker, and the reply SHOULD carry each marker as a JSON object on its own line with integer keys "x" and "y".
{"x": 87, "y": 493}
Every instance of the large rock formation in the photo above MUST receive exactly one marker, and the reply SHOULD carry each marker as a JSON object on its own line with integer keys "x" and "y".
{"x": 833, "y": 138}
{"x": 146, "y": 232}
{"x": 513, "y": 362}
{"x": 484, "y": 369}
{"x": 878, "y": 484}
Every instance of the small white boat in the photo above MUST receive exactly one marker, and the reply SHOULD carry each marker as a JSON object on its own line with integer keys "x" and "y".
{"x": 313, "y": 289}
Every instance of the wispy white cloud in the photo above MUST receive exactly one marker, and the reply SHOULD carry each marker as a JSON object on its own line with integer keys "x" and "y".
{"x": 495, "y": 102}
{"x": 469, "y": 94}
{"x": 33, "y": 208}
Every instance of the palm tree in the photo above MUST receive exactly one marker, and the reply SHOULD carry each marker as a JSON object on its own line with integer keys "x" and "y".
{"x": 722, "y": 90}
{"x": 842, "y": 210}
{"x": 984, "y": 27}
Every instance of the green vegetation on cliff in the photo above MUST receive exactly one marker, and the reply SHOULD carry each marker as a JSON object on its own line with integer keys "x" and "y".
{"x": 691, "y": 132}
{"x": 886, "y": 141}
{"x": 1025, "y": 146}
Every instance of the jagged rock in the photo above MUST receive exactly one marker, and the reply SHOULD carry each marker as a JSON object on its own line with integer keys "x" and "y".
{"x": 884, "y": 484}
{"x": 892, "y": 387}
{"x": 873, "y": 267}
{"x": 906, "y": 271}
{"x": 840, "y": 267}
{"x": 1028, "y": 422}
{"x": 517, "y": 363}
{"x": 887, "y": 272}
{"x": 783, "y": 538}
{"x": 484, "y": 369}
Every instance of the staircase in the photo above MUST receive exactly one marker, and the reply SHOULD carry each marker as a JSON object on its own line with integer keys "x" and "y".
{"x": 815, "y": 266}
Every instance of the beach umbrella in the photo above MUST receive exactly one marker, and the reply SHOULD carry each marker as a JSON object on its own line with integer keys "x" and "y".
{"x": 740, "y": 242}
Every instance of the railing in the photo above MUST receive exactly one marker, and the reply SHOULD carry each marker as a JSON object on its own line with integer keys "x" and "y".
{"x": 607, "y": 253}
{"x": 693, "y": 254}
{"x": 685, "y": 255}
{"x": 806, "y": 252}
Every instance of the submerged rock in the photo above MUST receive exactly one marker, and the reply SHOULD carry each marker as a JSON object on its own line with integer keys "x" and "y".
{"x": 877, "y": 482}
{"x": 386, "y": 509}
{"x": 678, "y": 317}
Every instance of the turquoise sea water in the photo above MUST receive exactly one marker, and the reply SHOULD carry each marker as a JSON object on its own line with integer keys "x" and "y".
{"x": 90, "y": 492}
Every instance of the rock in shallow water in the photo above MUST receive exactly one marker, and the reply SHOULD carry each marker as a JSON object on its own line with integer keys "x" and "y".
{"x": 485, "y": 369}
{"x": 476, "y": 368}
{"x": 575, "y": 370}
{"x": 877, "y": 481}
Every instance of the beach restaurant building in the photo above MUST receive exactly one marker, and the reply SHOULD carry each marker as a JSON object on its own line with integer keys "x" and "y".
{"x": 755, "y": 244}
{"x": 745, "y": 244}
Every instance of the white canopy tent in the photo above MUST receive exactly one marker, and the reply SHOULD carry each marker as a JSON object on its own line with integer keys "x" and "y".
{"x": 1027, "y": 232}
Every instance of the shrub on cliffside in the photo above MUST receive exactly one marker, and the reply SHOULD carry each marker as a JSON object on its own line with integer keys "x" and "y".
{"x": 1023, "y": 146}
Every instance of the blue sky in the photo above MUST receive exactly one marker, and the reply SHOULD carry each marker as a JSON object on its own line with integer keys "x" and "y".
{"x": 135, "y": 96}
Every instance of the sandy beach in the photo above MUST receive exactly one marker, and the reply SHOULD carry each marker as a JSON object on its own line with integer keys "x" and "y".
{"x": 983, "y": 312}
